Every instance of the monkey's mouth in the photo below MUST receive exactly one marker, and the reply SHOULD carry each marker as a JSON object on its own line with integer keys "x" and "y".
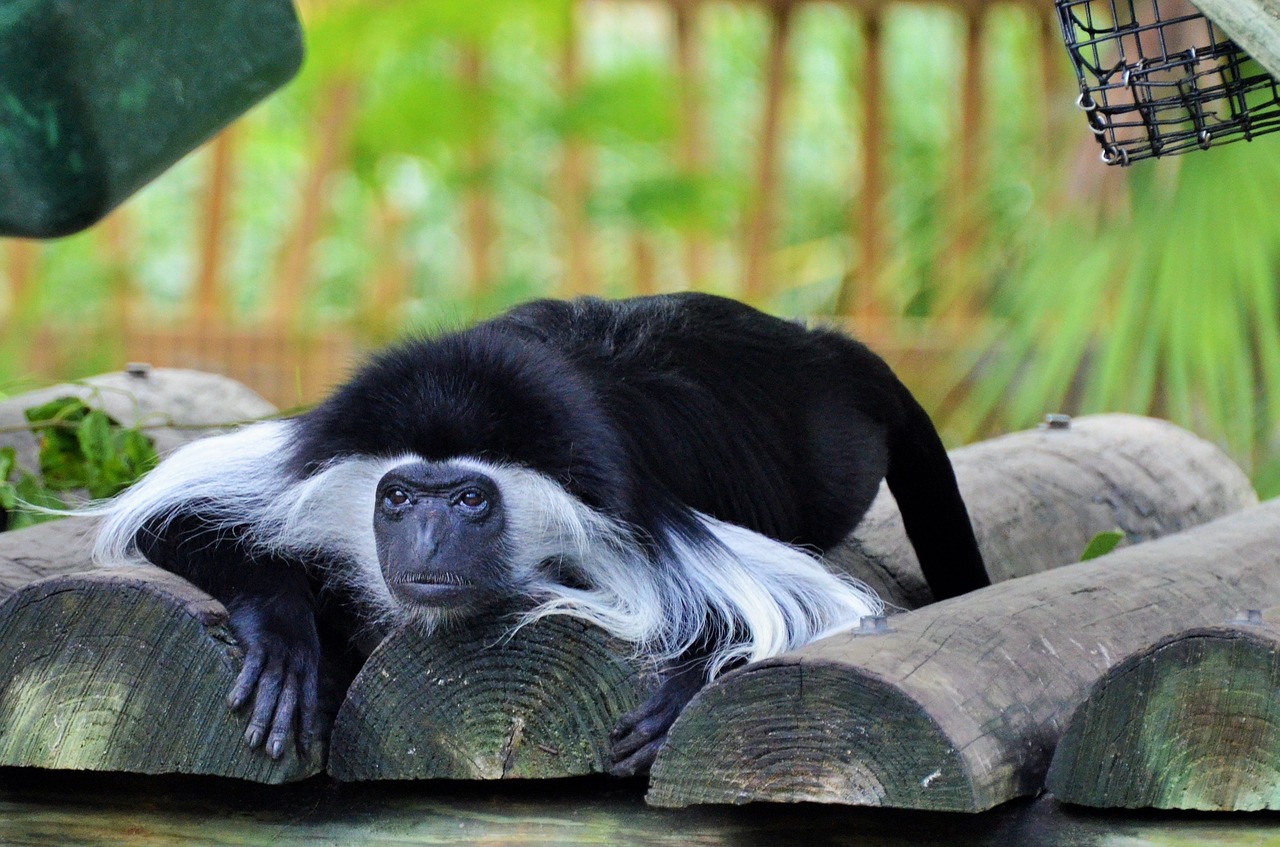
{"x": 439, "y": 589}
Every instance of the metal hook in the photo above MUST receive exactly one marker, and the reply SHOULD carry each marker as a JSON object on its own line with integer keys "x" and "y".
{"x": 1115, "y": 156}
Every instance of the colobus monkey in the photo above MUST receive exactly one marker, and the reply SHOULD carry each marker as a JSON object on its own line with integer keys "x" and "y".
{"x": 669, "y": 468}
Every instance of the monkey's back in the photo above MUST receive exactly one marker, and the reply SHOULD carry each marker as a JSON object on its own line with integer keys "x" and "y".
{"x": 747, "y": 417}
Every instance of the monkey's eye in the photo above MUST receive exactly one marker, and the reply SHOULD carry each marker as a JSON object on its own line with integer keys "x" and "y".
{"x": 395, "y": 497}
{"x": 472, "y": 498}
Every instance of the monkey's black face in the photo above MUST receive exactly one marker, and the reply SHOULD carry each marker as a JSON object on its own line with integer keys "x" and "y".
{"x": 438, "y": 528}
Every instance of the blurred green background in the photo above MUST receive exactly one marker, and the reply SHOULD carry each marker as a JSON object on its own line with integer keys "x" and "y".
{"x": 437, "y": 161}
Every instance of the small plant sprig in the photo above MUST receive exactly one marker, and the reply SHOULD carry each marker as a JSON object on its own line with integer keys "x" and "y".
{"x": 80, "y": 449}
{"x": 1101, "y": 544}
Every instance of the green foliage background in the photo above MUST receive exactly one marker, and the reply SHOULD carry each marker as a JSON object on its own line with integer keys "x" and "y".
{"x": 1149, "y": 290}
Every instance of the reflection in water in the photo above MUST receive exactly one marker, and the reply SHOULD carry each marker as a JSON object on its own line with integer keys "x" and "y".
{"x": 44, "y": 808}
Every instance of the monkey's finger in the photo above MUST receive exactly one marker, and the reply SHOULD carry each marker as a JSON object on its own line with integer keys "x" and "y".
{"x": 247, "y": 680}
{"x": 646, "y": 731}
{"x": 640, "y": 761}
{"x": 310, "y": 708}
{"x": 282, "y": 720}
{"x": 264, "y": 703}
{"x": 625, "y": 726}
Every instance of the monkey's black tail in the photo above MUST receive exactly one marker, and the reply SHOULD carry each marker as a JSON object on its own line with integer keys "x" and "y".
{"x": 924, "y": 484}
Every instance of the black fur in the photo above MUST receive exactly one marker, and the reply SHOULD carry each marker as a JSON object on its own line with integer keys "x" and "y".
{"x": 643, "y": 409}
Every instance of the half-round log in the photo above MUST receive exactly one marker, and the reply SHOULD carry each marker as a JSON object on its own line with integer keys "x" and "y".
{"x": 959, "y": 705}
{"x": 485, "y": 704}
{"x": 1189, "y": 722}
{"x": 125, "y": 669}
{"x": 1036, "y": 499}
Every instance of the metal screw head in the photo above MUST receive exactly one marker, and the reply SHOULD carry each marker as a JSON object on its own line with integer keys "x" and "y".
{"x": 873, "y": 623}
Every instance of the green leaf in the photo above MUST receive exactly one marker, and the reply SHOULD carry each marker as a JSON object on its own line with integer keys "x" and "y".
{"x": 61, "y": 461}
{"x": 64, "y": 410}
{"x": 93, "y": 435}
{"x": 29, "y": 490}
{"x": 8, "y": 459}
{"x": 84, "y": 448}
{"x": 137, "y": 450}
{"x": 683, "y": 201}
{"x": 1101, "y": 544}
{"x": 55, "y": 424}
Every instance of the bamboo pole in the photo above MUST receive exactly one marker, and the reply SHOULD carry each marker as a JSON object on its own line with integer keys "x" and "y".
{"x": 22, "y": 255}
{"x": 858, "y": 290}
{"x": 116, "y": 235}
{"x": 692, "y": 154}
{"x": 391, "y": 275}
{"x": 479, "y": 202}
{"x": 644, "y": 263}
{"x": 762, "y": 214}
{"x": 295, "y": 261}
{"x": 966, "y": 207}
{"x": 209, "y": 306}
{"x": 575, "y": 167}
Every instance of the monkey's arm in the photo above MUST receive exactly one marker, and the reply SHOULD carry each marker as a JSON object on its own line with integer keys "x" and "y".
{"x": 272, "y": 613}
{"x": 640, "y": 733}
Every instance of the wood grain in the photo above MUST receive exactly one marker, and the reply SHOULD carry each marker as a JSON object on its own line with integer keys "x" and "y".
{"x": 124, "y": 670}
{"x": 473, "y": 705}
{"x": 959, "y": 706}
{"x": 482, "y": 704}
{"x": 1191, "y": 721}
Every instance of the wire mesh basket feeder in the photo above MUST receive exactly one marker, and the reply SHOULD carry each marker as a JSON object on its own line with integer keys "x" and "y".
{"x": 1158, "y": 78}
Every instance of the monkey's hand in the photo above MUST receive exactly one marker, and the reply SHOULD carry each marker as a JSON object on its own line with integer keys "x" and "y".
{"x": 640, "y": 733}
{"x": 281, "y": 671}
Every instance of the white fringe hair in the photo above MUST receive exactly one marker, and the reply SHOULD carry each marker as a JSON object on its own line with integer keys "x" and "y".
{"x": 746, "y": 595}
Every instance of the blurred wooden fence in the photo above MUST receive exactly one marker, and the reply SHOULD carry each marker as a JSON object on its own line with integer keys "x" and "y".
{"x": 290, "y": 364}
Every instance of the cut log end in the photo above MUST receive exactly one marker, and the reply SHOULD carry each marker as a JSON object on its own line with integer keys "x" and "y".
{"x": 485, "y": 704}
{"x": 805, "y": 731}
{"x": 999, "y": 671}
{"x": 124, "y": 670}
{"x": 1192, "y": 722}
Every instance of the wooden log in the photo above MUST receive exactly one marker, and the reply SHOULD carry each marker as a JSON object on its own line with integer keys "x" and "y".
{"x": 1189, "y": 722}
{"x": 481, "y": 705}
{"x": 1037, "y": 497}
{"x": 958, "y": 706}
{"x": 448, "y": 707}
{"x": 122, "y": 669}
{"x": 1253, "y": 24}
{"x": 44, "y": 550}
